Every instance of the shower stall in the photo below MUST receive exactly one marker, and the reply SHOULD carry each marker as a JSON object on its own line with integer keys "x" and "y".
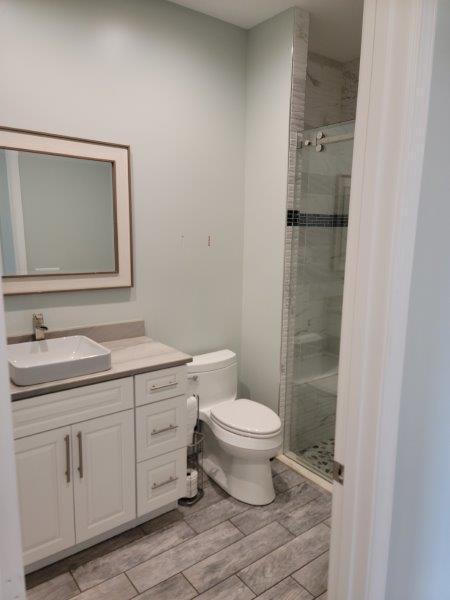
{"x": 318, "y": 249}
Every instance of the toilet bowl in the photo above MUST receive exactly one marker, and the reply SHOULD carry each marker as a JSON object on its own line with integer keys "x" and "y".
{"x": 241, "y": 436}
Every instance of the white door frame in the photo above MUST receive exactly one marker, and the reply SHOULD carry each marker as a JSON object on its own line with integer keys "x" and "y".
{"x": 391, "y": 121}
{"x": 11, "y": 565}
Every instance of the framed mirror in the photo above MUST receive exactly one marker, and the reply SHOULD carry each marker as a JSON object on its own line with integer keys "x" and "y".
{"x": 64, "y": 213}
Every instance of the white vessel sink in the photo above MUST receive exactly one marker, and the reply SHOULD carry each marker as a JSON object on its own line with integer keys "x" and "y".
{"x": 58, "y": 358}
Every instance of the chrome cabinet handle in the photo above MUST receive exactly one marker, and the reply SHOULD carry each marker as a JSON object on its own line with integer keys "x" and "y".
{"x": 155, "y": 386}
{"x": 170, "y": 480}
{"x": 67, "y": 442}
{"x": 80, "y": 455}
{"x": 170, "y": 428}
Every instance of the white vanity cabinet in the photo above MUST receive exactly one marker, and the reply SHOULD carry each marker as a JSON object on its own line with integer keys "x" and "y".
{"x": 75, "y": 483}
{"x": 94, "y": 458}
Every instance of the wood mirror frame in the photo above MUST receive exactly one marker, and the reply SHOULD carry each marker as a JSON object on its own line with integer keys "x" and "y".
{"x": 119, "y": 156}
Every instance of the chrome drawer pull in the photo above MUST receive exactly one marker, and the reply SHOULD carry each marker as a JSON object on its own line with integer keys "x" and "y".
{"x": 170, "y": 428}
{"x": 67, "y": 441}
{"x": 155, "y": 386}
{"x": 170, "y": 480}
{"x": 80, "y": 455}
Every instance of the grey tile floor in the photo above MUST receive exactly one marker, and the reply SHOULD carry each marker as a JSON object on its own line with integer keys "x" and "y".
{"x": 219, "y": 549}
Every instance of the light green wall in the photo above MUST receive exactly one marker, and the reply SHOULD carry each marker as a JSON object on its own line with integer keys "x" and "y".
{"x": 171, "y": 83}
{"x": 269, "y": 68}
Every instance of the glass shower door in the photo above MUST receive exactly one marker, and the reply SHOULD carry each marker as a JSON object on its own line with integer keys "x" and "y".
{"x": 323, "y": 177}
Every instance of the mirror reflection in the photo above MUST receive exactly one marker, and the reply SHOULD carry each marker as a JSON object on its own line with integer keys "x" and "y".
{"x": 57, "y": 214}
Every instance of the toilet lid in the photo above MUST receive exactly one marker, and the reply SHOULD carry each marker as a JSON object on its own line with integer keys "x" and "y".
{"x": 246, "y": 418}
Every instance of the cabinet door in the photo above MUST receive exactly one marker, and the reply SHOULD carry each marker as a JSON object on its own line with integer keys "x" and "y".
{"x": 45, "y": 493}
{"x": 104, "y": 474}
{"x": 161, "y": 427}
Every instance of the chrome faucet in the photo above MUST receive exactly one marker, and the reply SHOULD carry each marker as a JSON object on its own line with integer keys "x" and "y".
{"x": 39, "y": 328}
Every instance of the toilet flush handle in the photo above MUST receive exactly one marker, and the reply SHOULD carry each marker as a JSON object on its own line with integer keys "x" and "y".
{"x": 193, "y": 377}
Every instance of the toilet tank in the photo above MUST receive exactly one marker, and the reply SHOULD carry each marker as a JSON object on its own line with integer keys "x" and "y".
{"x": 213, "y": 377}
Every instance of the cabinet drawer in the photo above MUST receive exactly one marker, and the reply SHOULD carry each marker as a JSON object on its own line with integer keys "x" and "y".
{"x": 160, "y": 427}
{"x": 58, "y": 409}
{"x": 160, "y": 481}
{"x": 158, "y": 385}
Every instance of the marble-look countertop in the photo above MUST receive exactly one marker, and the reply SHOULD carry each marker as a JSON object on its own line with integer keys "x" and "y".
{"x": 128, "y": 357}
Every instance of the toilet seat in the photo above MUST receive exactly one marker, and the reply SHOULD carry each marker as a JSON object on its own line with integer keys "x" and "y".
{"x": 246, "y": 418}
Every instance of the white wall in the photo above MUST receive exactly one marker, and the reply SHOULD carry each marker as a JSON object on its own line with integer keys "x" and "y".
{"x": 269, "y": 65}
{"x": 420, "y": 536}
{"x": 171, "y": 83}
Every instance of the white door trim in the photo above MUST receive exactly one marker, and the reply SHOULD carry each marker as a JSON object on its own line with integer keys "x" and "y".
{"x": 395, "y": 75}
{"x": 11, "y": 565}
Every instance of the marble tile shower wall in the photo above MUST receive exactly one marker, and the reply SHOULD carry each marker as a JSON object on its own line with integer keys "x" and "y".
{"x": 321, "y": 249}
{"x": 331, "y": 91}
{"x": 313, "y": 416}
{"x": 350, "y": 75}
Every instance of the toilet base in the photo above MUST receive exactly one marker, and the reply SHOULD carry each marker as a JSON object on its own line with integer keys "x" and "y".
{"x": 244, "y": 474}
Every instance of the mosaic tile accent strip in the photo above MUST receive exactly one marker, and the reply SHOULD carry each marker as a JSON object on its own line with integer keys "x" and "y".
{"x": 295, "y": 218}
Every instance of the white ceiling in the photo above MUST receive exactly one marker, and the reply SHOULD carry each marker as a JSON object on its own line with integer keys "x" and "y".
{"x": 335, "y": 24}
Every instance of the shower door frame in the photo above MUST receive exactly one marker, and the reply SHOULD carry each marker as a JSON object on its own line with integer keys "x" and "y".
{"x": 391, "y": 125}
{"x": 313, "y": 140}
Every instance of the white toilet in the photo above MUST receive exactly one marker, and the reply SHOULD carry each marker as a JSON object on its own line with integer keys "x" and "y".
{"x": 241, "y": 436}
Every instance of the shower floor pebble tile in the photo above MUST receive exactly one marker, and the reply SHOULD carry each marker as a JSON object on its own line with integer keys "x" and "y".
{"x": 320, "y": 456}
{"x": 219, "y": 549}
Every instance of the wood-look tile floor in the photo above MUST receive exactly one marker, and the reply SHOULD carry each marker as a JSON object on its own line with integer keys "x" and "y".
{"x": 219, "y": 549}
